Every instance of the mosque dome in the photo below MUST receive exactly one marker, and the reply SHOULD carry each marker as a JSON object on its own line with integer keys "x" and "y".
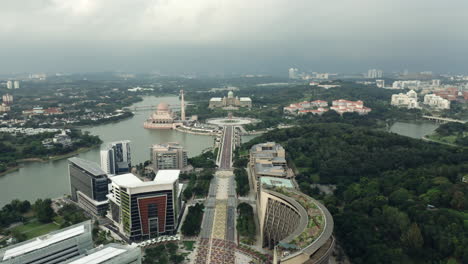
{"x": 163, "y": 107}
{"x": 230, "y": 94}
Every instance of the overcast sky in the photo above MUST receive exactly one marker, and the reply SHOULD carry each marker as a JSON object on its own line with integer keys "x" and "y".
{"x": 258, "y": 36}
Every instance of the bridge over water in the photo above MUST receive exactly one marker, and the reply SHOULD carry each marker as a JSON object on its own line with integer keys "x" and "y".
{"x": 443, "y": 119}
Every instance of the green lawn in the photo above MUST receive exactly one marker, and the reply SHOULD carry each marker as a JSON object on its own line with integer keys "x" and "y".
{"x": 188, "y": 245}
{"x": 34, "y": 229}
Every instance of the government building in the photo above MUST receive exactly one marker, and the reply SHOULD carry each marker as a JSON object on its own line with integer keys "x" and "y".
{"x": 296, "y": 227}
{"x": 230, "y": 102}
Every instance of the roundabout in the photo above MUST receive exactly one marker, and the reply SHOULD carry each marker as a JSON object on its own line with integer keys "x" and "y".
{"x": 232, "y": 121}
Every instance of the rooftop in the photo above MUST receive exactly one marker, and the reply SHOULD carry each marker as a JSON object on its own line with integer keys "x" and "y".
{"x": 129, "y": 180}
{"x": 278, "y": 182}
{"x": 316, "y": 225}
{"x": 89, "y": 166}
{"x": 216, "y": 99}
{"x": 101, "y": 255}
{"x": 46, "y": 240}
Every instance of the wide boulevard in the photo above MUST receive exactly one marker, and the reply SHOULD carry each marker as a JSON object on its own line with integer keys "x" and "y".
{"x": 217, "y": 237}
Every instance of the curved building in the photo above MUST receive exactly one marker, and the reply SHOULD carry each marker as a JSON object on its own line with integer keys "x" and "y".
{"x": 295, "y": 226}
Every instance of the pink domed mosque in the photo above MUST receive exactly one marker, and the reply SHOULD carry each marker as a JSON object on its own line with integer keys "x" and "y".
{"x": 164, "y": 118}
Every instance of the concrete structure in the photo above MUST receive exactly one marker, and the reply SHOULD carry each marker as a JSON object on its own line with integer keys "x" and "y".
{"x": 4, "y": 108}
{"x": 436, "y": 101}
{"x": 182, "y": 106}
{"x": 116, "y": 157}
{"x": 436, "y": 83}
{"x": 268, "y": 159}
{"x": 374, "y": 73}
{"x": 408, "y": 100}
{"x": 168, "y": 156}
{"x": 162, "y": 118}
{"x": 9, "y": 85}
{"x": 406, "y": 84}
{"x": 88, "y": 185}
{"x": 293, "y": 73}
{"x": 345, "y": 106}
{"x": 230, "y": 102}
{"x": 7, "y": 99}
{"x": 145, "y": 209}
{"x": 296, "y": 227}
{"x": 55, "y": 247}
{"x": 380, "y": 83}
{"x": 109, "y": 254}
{"x": 16, "y": 84}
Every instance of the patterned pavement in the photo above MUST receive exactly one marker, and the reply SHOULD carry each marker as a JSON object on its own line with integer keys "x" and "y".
{"x": 217, "y": 242}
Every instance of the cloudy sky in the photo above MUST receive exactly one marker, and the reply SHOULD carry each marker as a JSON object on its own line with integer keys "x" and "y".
{"x": 242, "y": 36}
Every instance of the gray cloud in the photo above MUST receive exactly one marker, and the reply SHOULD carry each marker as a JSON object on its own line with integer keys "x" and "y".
{"x": 227, "y": 35}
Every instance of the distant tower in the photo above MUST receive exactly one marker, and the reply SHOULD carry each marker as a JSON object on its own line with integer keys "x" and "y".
{"x": 16, "y": 84}
{"x": 10, "y": 85}
{"x": 182, "y": 105}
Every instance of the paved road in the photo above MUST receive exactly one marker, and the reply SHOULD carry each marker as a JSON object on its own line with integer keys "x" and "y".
{"x": 227, "y": 149}
{"x": 217, "y": 236}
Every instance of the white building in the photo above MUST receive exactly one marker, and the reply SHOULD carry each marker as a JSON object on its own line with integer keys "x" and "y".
{"x": 116, "y": 158}
{"x": 293, "y": 73}
{"x": 374, "y": 73}
{"x": 322, "y": 76}
{"x": 9, "y": 85}
{"x": 406, "y": 84}
{"x": 168, "y": 156}
{"x": 7, "y": 99}
{"x": 436, "y": 101}
{"x": 380, "y": 83}
{"x": 408, "y": 100}
{"x": 145, "y": 209}
{"x": 435, "y": 82}
{"x": 16, "y": 84}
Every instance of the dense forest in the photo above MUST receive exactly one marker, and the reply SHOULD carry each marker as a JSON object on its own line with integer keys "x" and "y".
{"x": 397, "y": 199}
{"x": 454, "y": 133}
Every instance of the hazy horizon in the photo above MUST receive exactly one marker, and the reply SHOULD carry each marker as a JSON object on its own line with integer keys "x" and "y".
{"x": 212, "y": 36}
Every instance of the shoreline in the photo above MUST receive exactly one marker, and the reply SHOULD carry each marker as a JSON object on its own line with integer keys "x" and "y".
{"x": 42, "y": 160}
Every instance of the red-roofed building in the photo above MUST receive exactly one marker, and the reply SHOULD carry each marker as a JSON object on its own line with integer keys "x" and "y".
{"x": 345, "y": 106}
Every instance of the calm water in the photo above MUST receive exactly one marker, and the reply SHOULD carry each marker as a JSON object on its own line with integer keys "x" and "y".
{"x": 50, "y": 179}
{"x": 414, "y": 129}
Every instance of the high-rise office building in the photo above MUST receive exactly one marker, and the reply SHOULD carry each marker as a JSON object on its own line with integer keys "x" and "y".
{"x": 145, "y": 209}
{"x": 168, "y": 156}
{"x": 374, "y": 73}
{"x": 16, "y": 84}
{"x": 293, "y": 73}
{"x": 116, "y": 158}
{"x": 55, "y": 247}
{"x": 9, "y": 84}
{"x": 109, "y": 254}
{"x": 7, "y": 99}
{"x": 380, "y": 83}
{"x": 89, "y": 185}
